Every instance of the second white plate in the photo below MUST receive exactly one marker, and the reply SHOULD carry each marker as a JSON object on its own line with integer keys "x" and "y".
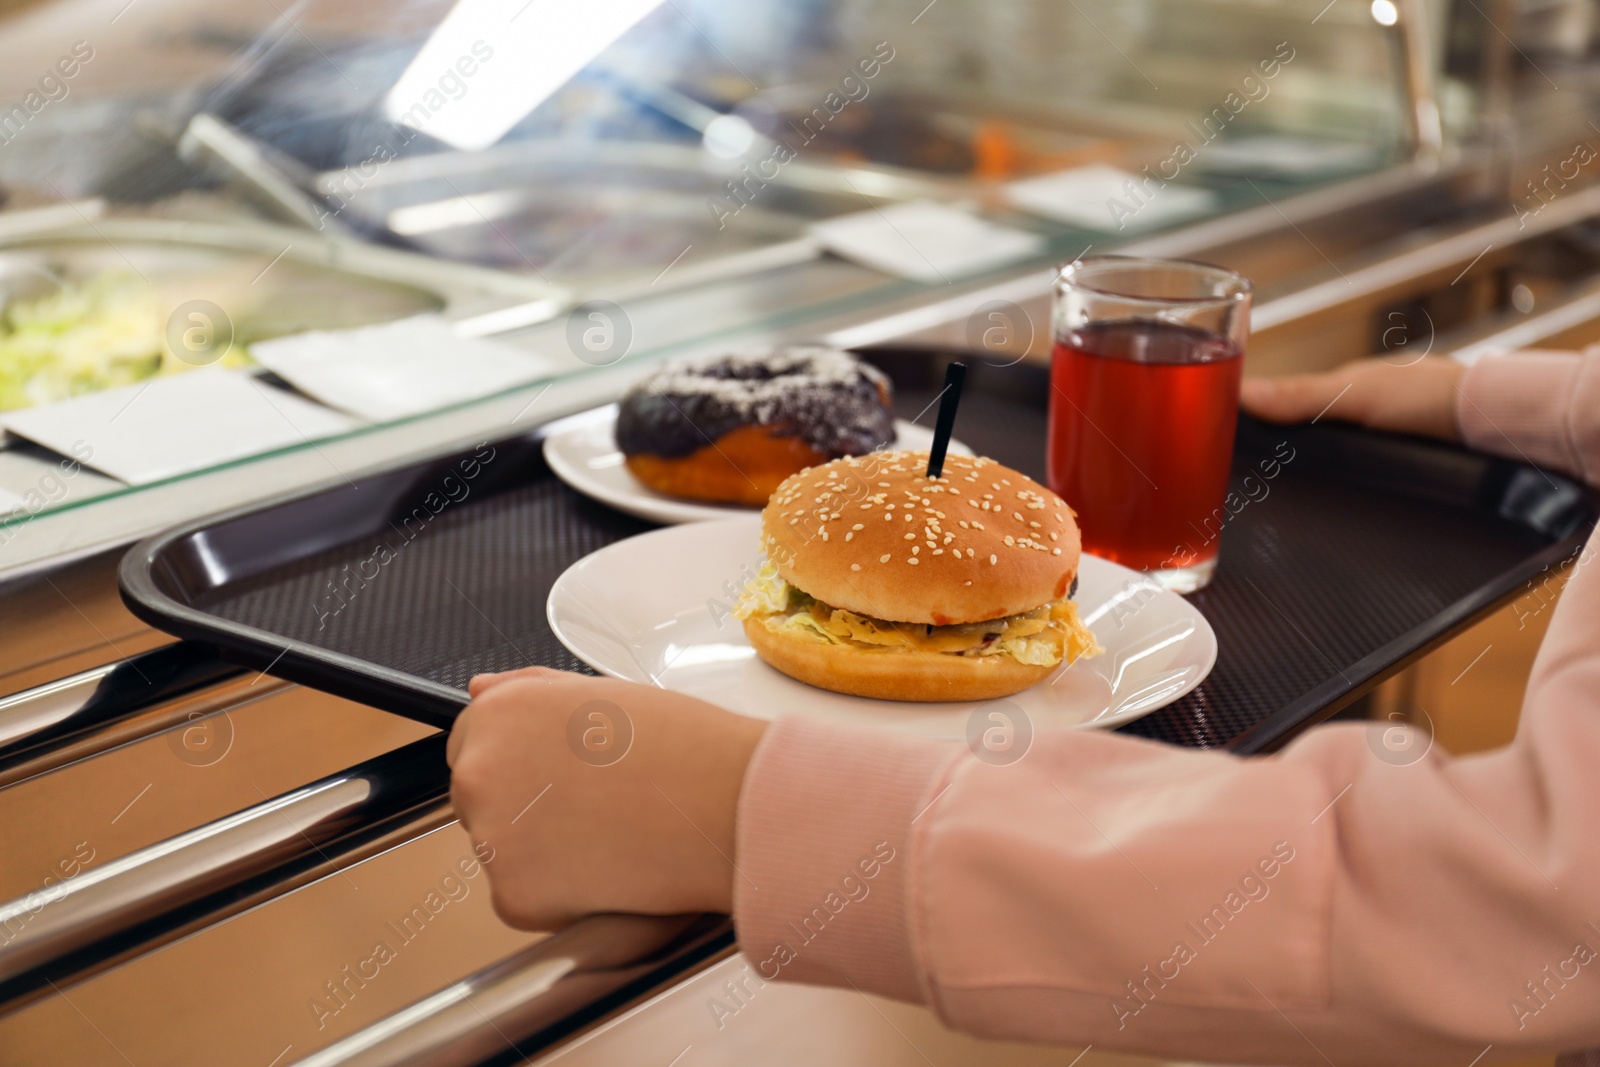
{"x": 582, "y": 451}
{"x": 655, "y": 609}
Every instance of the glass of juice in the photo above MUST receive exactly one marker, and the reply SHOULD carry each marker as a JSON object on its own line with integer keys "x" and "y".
{"x": 1143, "y": 402}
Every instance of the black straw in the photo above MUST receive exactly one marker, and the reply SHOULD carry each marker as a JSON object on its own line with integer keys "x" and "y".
{"x": 955, "y": 376}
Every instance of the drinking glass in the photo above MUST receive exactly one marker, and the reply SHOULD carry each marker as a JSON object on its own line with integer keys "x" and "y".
{"x": 1144, "y": 399}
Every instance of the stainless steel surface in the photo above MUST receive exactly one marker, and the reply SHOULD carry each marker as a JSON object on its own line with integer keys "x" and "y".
{"x": 266, "y": 175}
{"x": 1442, "y": 252}
{"x": 251, "y": 740}
{"x": 538, "y": 988}
{"x": 246, "y": 744}
{"x": 1573, "y": 322}
{"x": 506, "y": 162}
{"x": 63, "y": 618}
{"x": 50, "y": 923}
{"x": 1417, "y": 53}
{"x": 192, "y": 720}
{"x": 605, "y": 213}
{"x": 122, "y": 894}
{"x": 150, "y": 242}
{"x": 284, "y": 975}
{"x": 92, "y": 697}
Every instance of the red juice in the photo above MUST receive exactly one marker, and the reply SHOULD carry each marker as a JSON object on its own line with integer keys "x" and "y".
{"x": 1142, "y": 417}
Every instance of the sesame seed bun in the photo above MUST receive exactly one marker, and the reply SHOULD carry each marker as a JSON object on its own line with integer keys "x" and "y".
{"x": 982, "y": 541}
{"x": 891, "y": 675}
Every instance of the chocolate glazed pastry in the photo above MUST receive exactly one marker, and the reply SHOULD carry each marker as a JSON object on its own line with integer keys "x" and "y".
{"x": 729, "y": 428}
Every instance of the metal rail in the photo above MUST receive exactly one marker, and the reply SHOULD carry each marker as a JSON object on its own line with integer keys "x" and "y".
{"x": 157, "y": 882}
{"x": 1425, "y": 127}
{"x": 543, "y": 992}
{"x": 1456, "y": 250}
{"x": 51, "y": 715}
{"x": 1529, "y": 332}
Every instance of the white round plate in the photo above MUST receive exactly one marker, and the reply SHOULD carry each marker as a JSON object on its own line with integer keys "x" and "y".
{"x": 582, "y": 451}
{"x": 655, "y": 609}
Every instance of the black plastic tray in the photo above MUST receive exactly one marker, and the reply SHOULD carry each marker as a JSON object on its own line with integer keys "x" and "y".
{"x": 1368, "y": 551}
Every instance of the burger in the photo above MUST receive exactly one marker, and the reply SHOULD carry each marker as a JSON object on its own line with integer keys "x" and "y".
{"x": 883, "y": 582}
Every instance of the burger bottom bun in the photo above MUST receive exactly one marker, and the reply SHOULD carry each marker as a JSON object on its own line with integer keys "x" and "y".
{"x": 891, "y": 675}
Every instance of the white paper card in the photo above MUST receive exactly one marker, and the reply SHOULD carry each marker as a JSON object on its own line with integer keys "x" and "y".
{"x": 1097, "y": 197}
{"x": 9, "y": 502}
{"x": 398, "y": 369}
{"x": 166, "y": 427}
{"x": 924, "y": 241}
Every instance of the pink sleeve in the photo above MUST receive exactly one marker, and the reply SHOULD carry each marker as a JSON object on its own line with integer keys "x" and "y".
{"x": 1355, "y": 898}
{"x": 1540, "y": 407}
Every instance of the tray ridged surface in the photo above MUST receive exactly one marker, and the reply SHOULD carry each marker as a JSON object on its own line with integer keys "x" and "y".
{"x": 1315, "y": 577}
{"x": 464, "y": 596}
{"x": 1287, "y": 621}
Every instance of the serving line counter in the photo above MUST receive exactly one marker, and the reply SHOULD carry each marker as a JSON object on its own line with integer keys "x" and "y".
{"x": 1355, "y": 268}
{"x": 654, "y": 180}
{"x": 206, "y": 862}
{"x": 233, "y": 758}
{"x": 256, "y": 835}
{"x": 222, "y": 855}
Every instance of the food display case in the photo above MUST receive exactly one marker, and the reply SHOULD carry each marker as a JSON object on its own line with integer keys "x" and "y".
{"x": 200, "y": 858}
{"x": 675, "y": 177}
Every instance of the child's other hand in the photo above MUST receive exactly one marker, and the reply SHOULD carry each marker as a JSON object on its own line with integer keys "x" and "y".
{"x": 1417, "y": 398}
{"x": 599, "y": 795}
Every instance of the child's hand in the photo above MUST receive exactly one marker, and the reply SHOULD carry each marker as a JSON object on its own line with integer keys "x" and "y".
{"x": 599, "y": 795}
{"x": 1417, "y": 398}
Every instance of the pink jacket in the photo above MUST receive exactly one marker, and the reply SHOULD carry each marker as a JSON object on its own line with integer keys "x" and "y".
{"x": 1323, "y": 905}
